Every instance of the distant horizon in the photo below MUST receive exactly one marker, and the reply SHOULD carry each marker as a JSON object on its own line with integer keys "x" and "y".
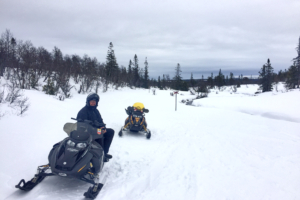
{"x": 206, "y": 74}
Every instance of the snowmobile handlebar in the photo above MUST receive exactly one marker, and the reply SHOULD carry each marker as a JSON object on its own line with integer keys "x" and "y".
{"x": 95, "y": 123}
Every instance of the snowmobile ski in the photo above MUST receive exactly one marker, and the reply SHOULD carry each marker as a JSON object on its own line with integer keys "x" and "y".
{"x": 93, "y": 191}
{"x": 26, "y": 186}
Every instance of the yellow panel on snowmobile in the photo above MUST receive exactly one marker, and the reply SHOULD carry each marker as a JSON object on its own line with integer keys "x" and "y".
{"x": 139, "y": 106}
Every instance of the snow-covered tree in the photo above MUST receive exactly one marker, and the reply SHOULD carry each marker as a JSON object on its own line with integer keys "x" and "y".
{"x": 297, "y": 61}
{"x": 292, "y": 78}
{"x": 146, "y": 75}
{"x": 266, "y": 77}
{"x": 177, "y": 78}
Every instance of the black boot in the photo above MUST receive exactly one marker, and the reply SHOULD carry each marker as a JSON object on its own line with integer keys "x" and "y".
{"x": 108, "y": 156}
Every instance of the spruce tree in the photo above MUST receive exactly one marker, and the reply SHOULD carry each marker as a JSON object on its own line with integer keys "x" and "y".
{"x": 129, "y": 74}
{"x": 210, "y": 81}
{"x": 266, "y": 77}
{"x": 297, "y": 61}
{"x": 177, "y": 78}
{"x": 231, "y": 79}
{"x": 238, "y": 84}
{"x": 111, "y": 67}
{"x": 192, "y": 81}
{"x": 184, "y": 86}
{"x": 227, "y": 80}
{"x": 292, "y": 78}
{"x": 164, "y": 82}
{"x": 220, "y": 79}
{"x": 159, "y": 83}
{"x": 146, "y": 75}
{"x": 135, "y": 70}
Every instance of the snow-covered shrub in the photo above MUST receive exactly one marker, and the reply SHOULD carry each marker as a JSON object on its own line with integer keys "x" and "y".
{"x": 21, "y": 105}
{"x": 1, "y": 101}
{"x": 13, "y": 93}
{"x": 189, "y": 102}
{"x": 202, "y": 95}
{"x": 1, "y": 96}
{"x": 49, "y": 87}
{"x": 66, "y": 89}
{"x": 192, "y": 92}
{"x": 234, "y": 89}
{"x": 60, "y": 96}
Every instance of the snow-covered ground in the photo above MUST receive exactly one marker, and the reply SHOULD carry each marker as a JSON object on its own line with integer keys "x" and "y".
{"x": 226, "y": 146}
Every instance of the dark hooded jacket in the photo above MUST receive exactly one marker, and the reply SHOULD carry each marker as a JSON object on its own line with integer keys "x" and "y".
{"x": 90, "y": 112}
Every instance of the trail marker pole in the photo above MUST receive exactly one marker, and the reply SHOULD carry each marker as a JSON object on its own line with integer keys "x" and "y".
{"x": 176, "y": 92}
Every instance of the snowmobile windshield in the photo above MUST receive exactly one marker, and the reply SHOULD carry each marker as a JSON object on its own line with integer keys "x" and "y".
{"x": 79, "y": 139}
{"x": 83, "y": 128}
{"x": 80, "y": 145}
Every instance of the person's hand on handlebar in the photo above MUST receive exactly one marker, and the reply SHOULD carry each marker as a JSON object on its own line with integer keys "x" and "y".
{"x": 103, "y": 130}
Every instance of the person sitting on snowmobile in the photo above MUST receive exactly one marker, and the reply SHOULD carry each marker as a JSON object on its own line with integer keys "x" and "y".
{"x": 90, "y": 112}
{"x": 137, "y": 107}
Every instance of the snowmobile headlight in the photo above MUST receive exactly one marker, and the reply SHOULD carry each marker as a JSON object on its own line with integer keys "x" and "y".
{"x": 81, "y": 145}
{"x": 70, "y": 143}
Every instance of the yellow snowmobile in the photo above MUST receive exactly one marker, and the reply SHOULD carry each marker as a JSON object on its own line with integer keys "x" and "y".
{"x": 136, "y": 121}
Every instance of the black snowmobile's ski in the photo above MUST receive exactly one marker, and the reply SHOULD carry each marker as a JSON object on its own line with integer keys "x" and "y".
{"x": 26, "y": 186}
{"x": 39, "y": 176}
{"x": 93, "y": 191}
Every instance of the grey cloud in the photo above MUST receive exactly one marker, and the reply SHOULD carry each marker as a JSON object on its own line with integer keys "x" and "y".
{"x": 200, "y": 35}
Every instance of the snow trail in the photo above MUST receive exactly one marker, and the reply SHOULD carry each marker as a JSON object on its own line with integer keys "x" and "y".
{"x": 206, "y": 152}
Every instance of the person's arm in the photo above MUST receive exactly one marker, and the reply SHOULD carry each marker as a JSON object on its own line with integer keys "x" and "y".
{"x": 82, "y": 114}
{"x": 99, "y": 119}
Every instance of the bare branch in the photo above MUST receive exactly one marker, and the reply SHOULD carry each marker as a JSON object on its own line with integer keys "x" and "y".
{"x": 22, "y": 105}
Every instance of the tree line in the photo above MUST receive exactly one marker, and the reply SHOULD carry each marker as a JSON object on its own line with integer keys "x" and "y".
{"x": 267, "y": 78}
{"x": 25, "y": 65}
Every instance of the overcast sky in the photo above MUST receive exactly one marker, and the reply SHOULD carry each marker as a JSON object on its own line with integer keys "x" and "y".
{"x": 202, "y": 35}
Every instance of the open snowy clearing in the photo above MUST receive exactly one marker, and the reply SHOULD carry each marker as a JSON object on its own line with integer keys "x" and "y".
{"x": 226, "y": 146}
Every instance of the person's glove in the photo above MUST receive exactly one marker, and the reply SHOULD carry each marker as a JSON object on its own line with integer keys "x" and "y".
{"x": 103, "y": 130}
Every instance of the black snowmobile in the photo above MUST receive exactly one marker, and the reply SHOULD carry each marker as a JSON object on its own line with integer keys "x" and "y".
{"x": 135, "y": 123}
{"x": 72, "y": 158}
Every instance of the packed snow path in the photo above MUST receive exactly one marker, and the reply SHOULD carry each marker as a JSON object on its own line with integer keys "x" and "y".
{"x": 224, "y": 149}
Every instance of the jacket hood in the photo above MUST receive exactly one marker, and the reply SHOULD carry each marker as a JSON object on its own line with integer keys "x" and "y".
{"x": 92, "y": 96}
